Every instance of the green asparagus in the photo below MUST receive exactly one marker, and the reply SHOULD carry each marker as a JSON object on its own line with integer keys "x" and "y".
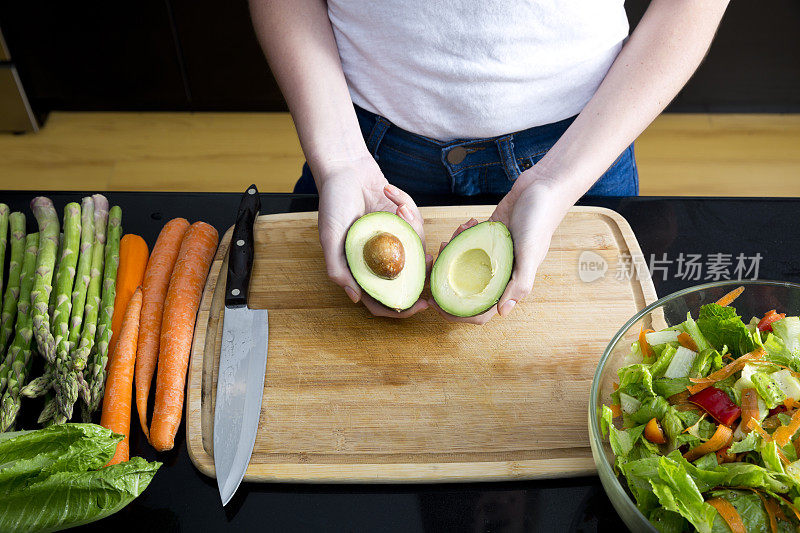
{"x": 11, "y": 297}
{"x": 46, "y": 216}
{"x": 20, "y": 349}
{"x": 4, "y": 211}
{"x": 97, "y": 370}
{"x": 84, "y": 311}
{"x": 51, "y": 305}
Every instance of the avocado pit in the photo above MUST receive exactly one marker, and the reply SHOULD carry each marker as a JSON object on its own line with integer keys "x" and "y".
{"x": 384, "y": 255}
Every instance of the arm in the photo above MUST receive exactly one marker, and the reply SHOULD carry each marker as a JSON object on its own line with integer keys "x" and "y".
{"x": 298, "y": 41}
{"x": 657, "y": 60}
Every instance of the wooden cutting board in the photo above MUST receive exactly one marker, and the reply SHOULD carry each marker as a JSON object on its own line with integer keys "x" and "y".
{"x": 353, "y": 398}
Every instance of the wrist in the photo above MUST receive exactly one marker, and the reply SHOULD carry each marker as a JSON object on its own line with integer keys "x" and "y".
{"x": 356, "y": 163}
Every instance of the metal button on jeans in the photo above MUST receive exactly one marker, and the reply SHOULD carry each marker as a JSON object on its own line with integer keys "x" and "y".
{"x": 456, "y": 155}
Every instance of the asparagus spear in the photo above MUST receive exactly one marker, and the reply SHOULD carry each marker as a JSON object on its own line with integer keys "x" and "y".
{"x": 51, "y": 305}
{"x": 46, "y": 216}
{"x": 63, "y": 289}
{"x": 90, "y": 269}
{"x": 3, "y": 239}
{"x": 17, "y": 221}
{"x": 97, "y": 370}
{"x": 20, "y": 349}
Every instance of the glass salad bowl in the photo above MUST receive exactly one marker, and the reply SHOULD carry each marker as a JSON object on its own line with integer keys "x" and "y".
{"x": 757, "y": 298}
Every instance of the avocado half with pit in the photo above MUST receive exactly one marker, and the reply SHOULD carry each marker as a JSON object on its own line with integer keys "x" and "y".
{"x": 472, "y": 271}
{"x": 386, "y": 258}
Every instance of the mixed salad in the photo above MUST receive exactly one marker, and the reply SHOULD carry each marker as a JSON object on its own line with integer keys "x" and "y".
{"x": 704, "y": 422}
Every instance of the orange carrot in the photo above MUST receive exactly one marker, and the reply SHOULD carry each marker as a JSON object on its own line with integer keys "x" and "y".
{"x": 686, "y": 340}
{"x": 725, "y": 371}
{"x": 119, "y": 383}
{"x": 177, "y": 328}
{"x": 783, "y": 435}
{"x": 730, "y": 297}
{"x": 729, "y": 514}
{"x": 749, "y": 408}
{"x": 644, "y": 346}
{"x": 132, "y": 262}
{"x": 616, "y": 410}
{"x": 719, "y": 440}
{"x": 154, "y": 291}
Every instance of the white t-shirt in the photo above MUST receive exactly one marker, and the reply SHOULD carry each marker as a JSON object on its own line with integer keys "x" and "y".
{"x": 476, "y": 68}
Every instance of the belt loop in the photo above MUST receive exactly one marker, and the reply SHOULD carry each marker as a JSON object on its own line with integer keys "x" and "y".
{"x": 505, "y": 145}
{"x": 376, "y": 135}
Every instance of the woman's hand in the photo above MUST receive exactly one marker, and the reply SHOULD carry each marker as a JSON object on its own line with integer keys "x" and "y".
{"x": 347, "y": 191}
{"x": 531, "y": 210}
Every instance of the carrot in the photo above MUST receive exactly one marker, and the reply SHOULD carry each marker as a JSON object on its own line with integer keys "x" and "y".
{"x": 783, "y": 435}
{"x": 728, "y": 513}
{"x": 749, "y": 408}
{"x": 730, "y": 297}
{"x": 719, "y": 440}
{"x": 773, "y": 511}
{"x": 686, "y": 340}
{"x": 724, "y": 372}
{"x": 616, "y": 410}
{"x": 119, "y": 383}
{"x": 644, "y": 346}
{"x": 154, "y": 291}
{"x": 132, "y": 262}
{"x": 177, "y": 328}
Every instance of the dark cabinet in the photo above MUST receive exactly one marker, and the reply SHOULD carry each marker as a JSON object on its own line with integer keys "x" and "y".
{"x": 203, "y": 55}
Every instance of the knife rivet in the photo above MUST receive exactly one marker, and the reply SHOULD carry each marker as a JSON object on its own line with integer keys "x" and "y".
{"x": 235, "y": 292}
{"x": 240, "y": 242}
{"x": 251, "y": 191}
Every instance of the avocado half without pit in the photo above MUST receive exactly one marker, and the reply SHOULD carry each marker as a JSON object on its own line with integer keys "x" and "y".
{"x": 386, "y": 258}
{"x": 472, "y": 271}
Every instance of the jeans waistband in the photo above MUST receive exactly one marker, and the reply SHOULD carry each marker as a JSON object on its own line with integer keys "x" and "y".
{"x": 456, "y": 155}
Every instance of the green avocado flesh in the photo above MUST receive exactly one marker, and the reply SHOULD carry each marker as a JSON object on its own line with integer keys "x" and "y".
{"x": 402, "y": 291}
{"x": 472, "y": 271}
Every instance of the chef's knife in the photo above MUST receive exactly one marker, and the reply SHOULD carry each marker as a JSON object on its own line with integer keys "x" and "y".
{"x": 243, "y": 358}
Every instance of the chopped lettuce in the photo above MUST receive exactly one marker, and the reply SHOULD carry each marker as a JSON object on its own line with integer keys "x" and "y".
{"x": 676, "y": 491}
{"x": 749, "y": 443}
{"x": 690, "y": 327}
{"x": 638, "y": 474}
{"x": 621, "y": 440}
{"x": 667, "y": 387}
{"x": 661, "y": 364}
{"x": 681, "y": 363}
{"x": 749, "y": 507}
{"x": 789, "y": 385}
{"x": 704, "y": 362}
{"x": 635, "y": 381}
{"x": 778, "y": 353}
{"x": 788, "y": 330}
{"x": 753, "y": 476}
{"x": 769, "y": 454}
{"x": 655, "y": 407}
{"x": 667, "y": 521}
{"x": 721, "y": 326}
{"x": 768, "y": 389}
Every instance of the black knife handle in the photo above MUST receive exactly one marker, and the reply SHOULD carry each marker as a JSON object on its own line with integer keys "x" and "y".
{"x": 242, "y": 249}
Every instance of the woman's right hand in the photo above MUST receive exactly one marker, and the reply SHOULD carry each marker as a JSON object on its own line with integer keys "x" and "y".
{"x": 348, "y": 190}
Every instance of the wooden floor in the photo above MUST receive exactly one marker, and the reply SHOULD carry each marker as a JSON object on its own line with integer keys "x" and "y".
{"x": 708, "y": 155}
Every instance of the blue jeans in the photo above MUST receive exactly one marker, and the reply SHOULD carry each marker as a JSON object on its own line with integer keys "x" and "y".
{"x": 421, "y": 165}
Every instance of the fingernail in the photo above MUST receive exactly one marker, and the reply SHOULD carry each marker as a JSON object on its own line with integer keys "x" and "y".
{"x": 406, "y": 212}
{"x": 352, "y": 294}
{"x": 392, "y": 189}
{"x": 507, "y": 307}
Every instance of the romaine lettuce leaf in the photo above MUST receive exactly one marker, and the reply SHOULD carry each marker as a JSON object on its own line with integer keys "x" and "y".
{"x": 677, "y": 492}
{"x": 704, "y": 362}
{"x": 788, "y": 330}
{"x": 667, "y": 521}
{"x": 721, "y": 326}
{"x": 67, "y": 499}
{"x": 58, "y": 448}
{"x": 651, "y": 408}
{"x": 635, "y": 381}
{"x": 753, "y": 476}
{"x": 658, "y": 368}
{"x": 749, "y": 443}
{"x": 690, "y": 327}
{"x": 769, "y": 391}
{"x": 638, "y": 475}
{"x": 769, "y": 454}
{"x": 621, "y": 440}
{"x": 749, "y": 507}
{"x": 668, "y": 386}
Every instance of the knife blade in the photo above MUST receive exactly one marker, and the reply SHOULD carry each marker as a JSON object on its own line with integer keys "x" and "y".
{"x": 243, "y": 358}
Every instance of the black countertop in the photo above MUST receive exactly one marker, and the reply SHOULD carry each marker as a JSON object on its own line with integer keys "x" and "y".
{"x": 180, "y": 498}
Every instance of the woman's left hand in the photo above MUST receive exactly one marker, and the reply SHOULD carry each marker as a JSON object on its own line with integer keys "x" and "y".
{"x": 531, "y": 210}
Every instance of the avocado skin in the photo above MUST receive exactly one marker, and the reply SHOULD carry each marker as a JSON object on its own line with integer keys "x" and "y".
{"x": 457, "y": 239}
